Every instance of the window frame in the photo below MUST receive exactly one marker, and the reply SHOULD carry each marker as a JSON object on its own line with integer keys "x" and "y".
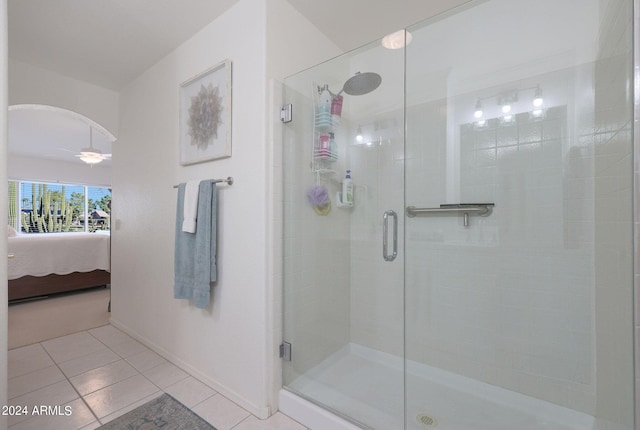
{"x": 86, "y": 210}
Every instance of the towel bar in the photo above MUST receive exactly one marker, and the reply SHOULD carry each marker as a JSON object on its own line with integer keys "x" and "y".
{"x": 229, "y": 181}
{"x": 482, "y": 209}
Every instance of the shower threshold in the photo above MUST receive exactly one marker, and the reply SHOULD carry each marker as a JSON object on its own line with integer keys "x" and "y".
{"x": 367, "y": 385}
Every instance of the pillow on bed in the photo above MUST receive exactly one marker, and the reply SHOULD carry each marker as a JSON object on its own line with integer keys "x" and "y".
{"x": 11, "y": 231}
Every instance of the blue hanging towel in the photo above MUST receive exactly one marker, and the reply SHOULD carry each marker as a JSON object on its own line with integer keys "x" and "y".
{"x": 195, "y": 253}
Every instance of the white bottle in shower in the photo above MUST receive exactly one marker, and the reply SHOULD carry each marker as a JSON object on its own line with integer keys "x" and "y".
{"x": 324, "y": 101}
{"x": 347, "y": 190}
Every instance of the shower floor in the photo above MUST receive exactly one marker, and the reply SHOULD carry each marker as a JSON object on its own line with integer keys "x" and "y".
{"x": 367, "y": 385}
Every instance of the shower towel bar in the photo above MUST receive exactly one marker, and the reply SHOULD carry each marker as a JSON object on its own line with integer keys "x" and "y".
{"x": 229, "y": 181}
{"x": 482, "y": 209}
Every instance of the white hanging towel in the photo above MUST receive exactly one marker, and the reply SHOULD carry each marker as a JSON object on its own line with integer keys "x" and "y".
{"x": 190, "y": 206}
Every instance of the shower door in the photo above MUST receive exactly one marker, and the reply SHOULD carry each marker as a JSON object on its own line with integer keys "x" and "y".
{"x": 519, "y": 314}
{"x": 482, "y": 277}
{"x": 343, "y": 263}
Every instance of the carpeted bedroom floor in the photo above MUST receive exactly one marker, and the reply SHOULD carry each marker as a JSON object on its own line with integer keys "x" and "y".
{"x": 59, "y": 315}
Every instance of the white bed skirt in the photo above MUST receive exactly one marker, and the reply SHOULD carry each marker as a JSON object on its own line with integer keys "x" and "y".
{"x": 58, "y": 253}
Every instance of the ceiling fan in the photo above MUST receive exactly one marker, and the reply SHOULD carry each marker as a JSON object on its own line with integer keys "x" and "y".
{"x": 92, "y": 155}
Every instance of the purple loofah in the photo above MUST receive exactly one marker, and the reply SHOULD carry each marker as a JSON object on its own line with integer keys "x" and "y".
{"x": 318, "y": 196}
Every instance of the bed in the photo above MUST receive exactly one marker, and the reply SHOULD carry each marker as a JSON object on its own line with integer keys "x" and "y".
{"x": 43, "y": 264}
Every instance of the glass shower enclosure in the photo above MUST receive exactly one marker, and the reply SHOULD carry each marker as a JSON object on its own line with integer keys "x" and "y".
{"x": 476, "y": 269}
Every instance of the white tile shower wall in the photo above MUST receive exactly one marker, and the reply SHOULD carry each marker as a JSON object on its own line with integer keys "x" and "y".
{"x": 316, "y": 253}
{"x": 481, "y": 303}
{"x": 512, "y": 300}
{"x": 377, "y": 298}
{"x": 613, "y": 166}
{"x": 636, "y": 207}
{"x": 507, "y": 300}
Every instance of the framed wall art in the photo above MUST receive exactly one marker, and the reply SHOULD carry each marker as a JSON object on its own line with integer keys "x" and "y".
{"x": 205, "y": 115}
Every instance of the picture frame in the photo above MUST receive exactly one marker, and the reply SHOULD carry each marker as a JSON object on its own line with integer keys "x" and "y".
{"x": 205, "y": 115}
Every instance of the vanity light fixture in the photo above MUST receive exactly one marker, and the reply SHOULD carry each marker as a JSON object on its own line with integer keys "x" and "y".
{"x": 507, "y": 103}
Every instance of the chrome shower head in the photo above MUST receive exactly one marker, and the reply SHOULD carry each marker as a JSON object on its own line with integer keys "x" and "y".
{"x": 362, "y": 83}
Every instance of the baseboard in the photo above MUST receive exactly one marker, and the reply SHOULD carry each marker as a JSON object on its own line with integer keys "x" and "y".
{"x": 262, "y": 412}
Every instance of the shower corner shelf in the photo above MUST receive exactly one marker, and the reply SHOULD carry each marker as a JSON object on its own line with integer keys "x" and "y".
{"x": 323, "y": 170}
{"x": 320, "y": 155}
{"x": 324, "y": 149}
{"x": 326, "y": 122}
{"x": 339, "y": 202}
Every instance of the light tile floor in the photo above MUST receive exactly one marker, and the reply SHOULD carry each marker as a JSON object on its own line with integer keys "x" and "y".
{"x": 103, "y": 373}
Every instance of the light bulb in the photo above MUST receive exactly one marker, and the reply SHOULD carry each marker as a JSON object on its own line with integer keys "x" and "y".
{"x": 90, "y": 159}
{"x": 478, "y": 112}
{"x": 506, "y": 108}
{"x": 359, "y": 135}
{"x": 537, "y": 97}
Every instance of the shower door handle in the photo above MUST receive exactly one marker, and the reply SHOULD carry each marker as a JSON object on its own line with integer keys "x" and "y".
{"x": 385, "y": 236}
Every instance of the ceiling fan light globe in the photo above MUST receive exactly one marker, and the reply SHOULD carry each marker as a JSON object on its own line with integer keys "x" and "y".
{"x": 90, "y": 158}
{"x": 90, "y": 151}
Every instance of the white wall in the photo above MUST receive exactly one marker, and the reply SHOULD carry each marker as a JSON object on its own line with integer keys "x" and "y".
{"x": 230, "y": 345}
{"x": 39, "y": 169}
{"x": 223, "y": 344}
{"x": 3, "y": 206}
{"x": 33, "y": 85}
{"x": 293, "y": 43}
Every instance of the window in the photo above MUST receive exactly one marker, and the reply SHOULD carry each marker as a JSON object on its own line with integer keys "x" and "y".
{"x": 39, "y": 207}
